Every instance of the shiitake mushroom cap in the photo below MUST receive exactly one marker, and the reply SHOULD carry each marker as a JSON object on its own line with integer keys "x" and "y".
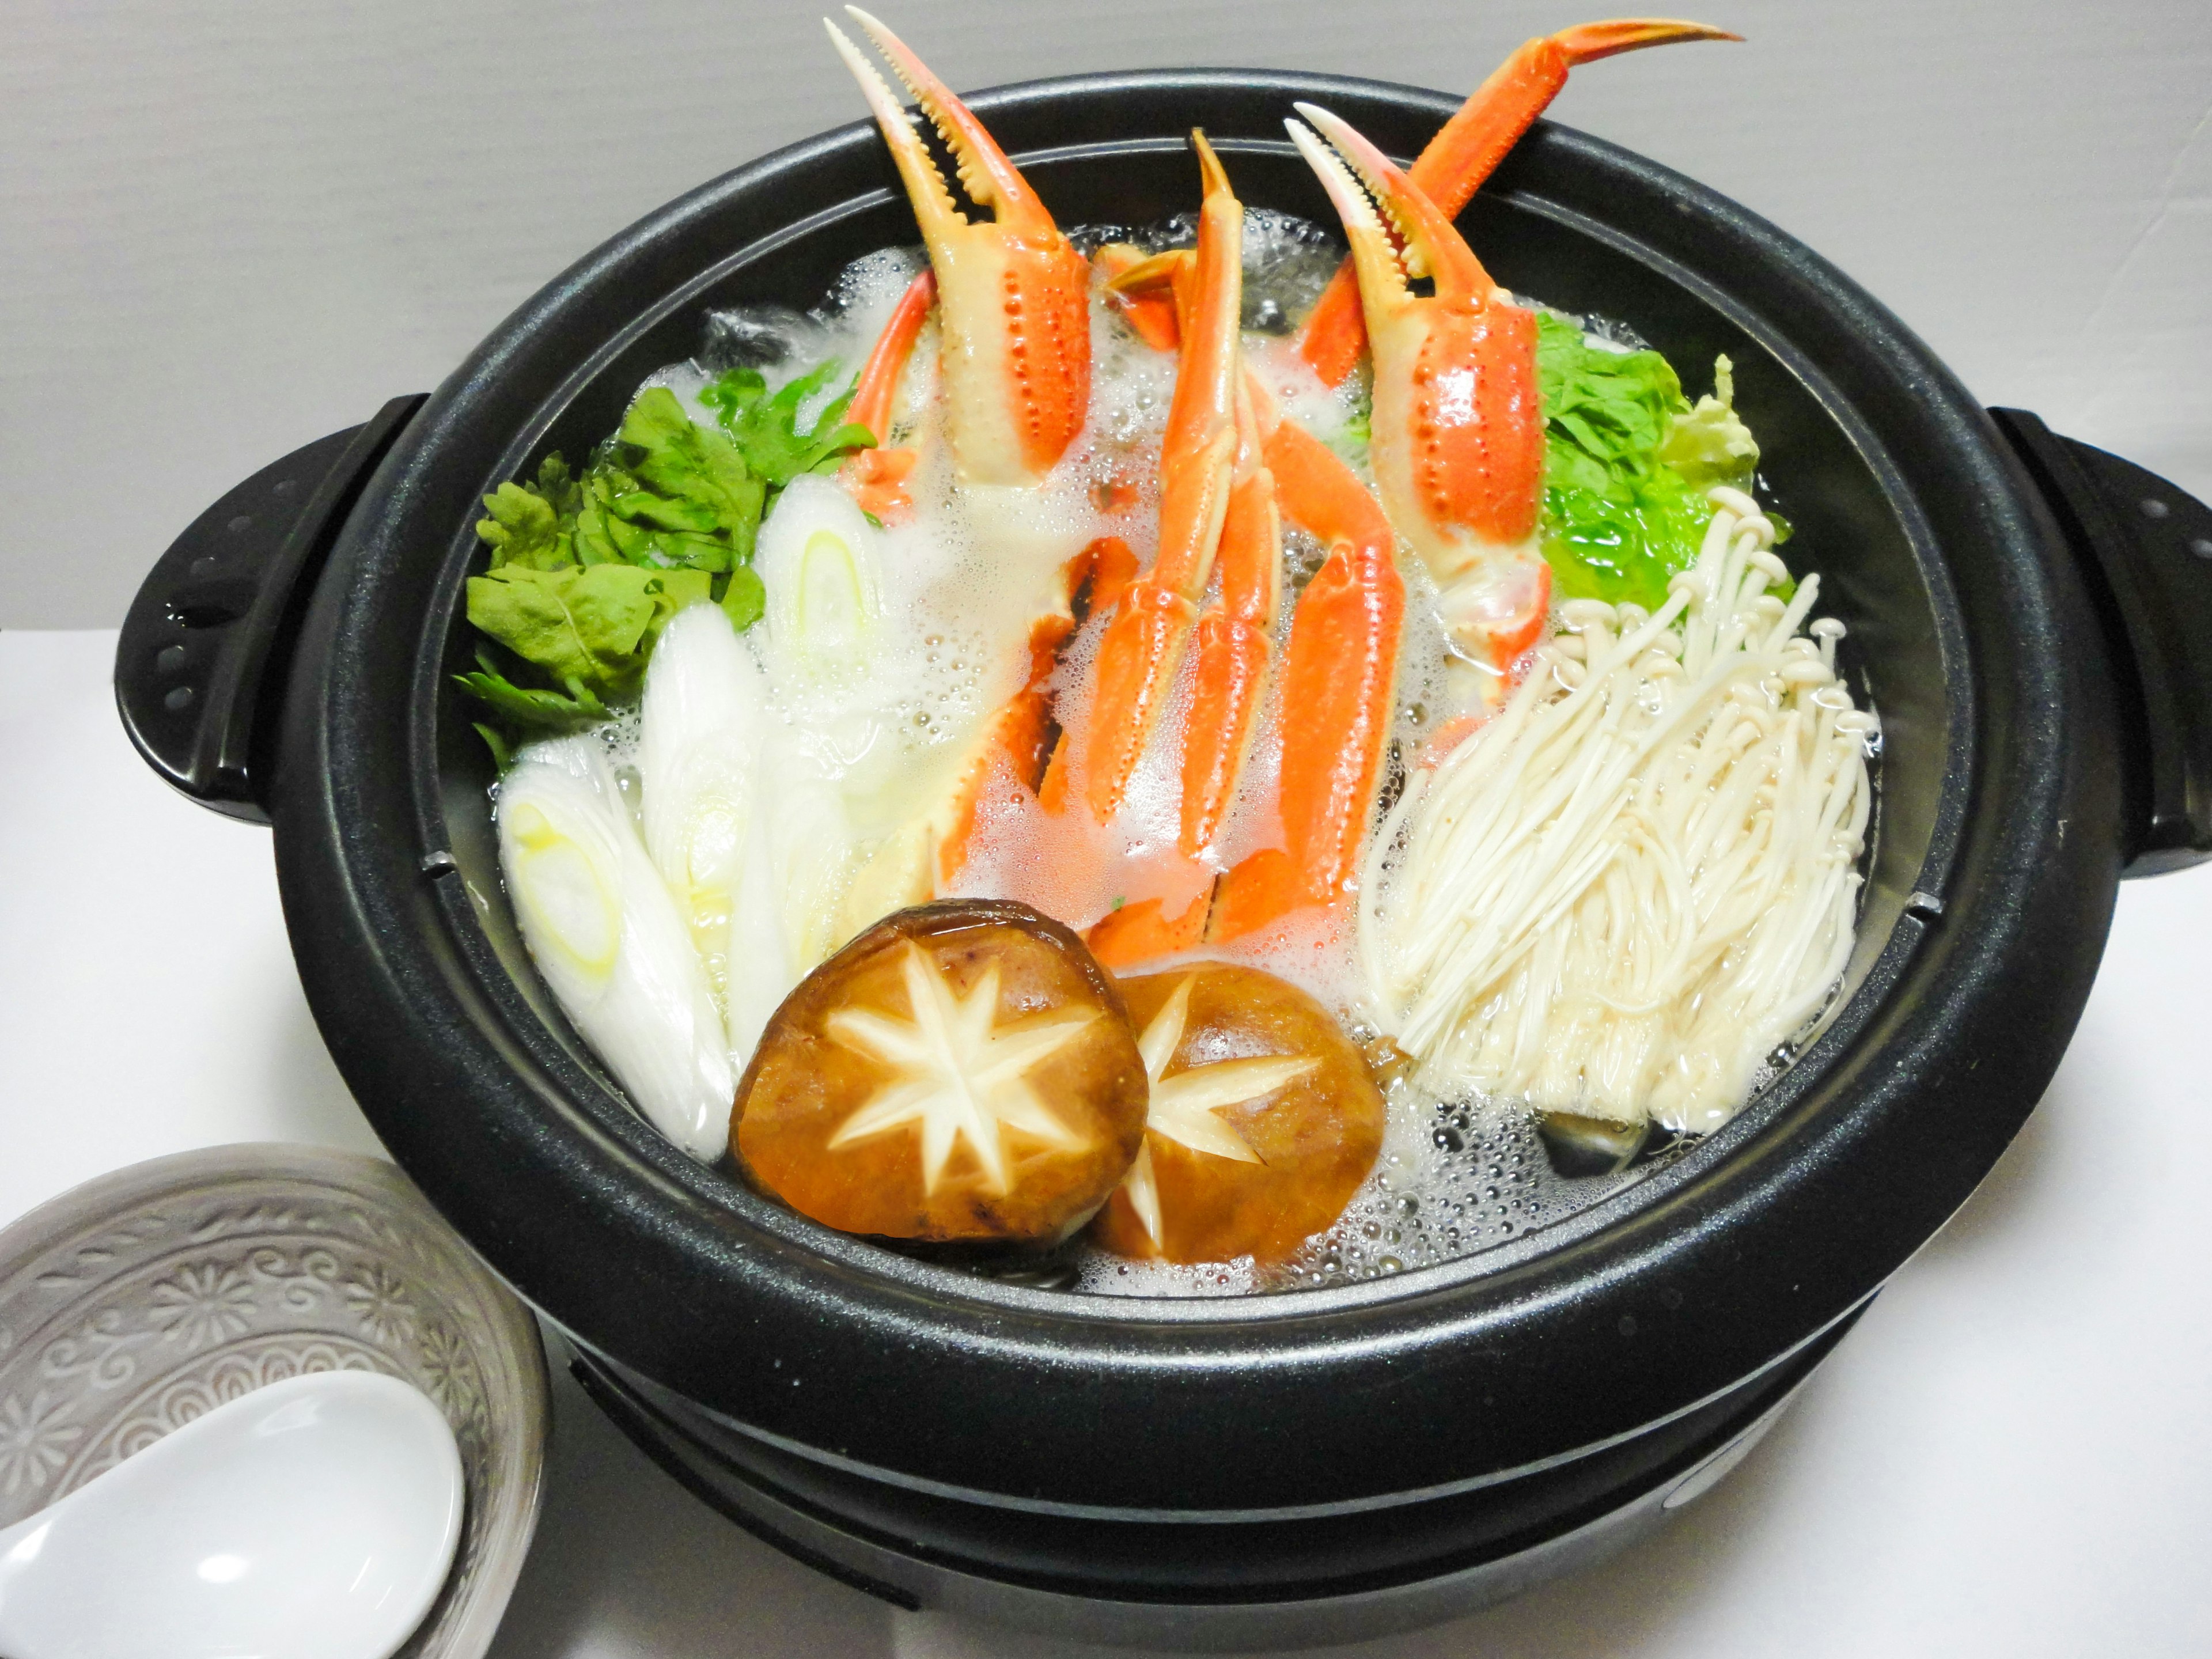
{"x": 1313, "y": 1138}
{"x": 817, "y": 1071}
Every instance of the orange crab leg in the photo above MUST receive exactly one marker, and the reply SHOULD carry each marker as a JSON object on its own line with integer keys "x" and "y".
{"x": 1158, "y": 294}
{"x": 1143, "y": 646}
{"x": 1338, "y": 680}
{"x": 1013, "y": 297}
{"x": 1470, "y": 146}
{"x": 1234, "y": 641}
{"x": 1021, "y": 734}
{"x": 1148, "y": 308}
{"x": 878, "y": 385}
{"x": 876, "y": 477}
{"x": 1145, "y": 932}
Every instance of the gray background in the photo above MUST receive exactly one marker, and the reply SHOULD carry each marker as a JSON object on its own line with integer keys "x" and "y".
{"x": 226, "y": 229}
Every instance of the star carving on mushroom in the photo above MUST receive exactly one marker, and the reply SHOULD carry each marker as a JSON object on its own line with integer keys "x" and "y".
{"x": 1184, "y": 1105}
{"x": 959, "y": 1072}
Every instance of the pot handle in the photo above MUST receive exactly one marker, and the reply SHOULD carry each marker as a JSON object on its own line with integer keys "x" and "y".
{"x": 2145, "y": 552}
{"x": 201, "y": 664}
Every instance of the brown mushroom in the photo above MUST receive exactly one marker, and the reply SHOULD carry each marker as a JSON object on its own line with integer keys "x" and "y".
{"x": 1262, "y": 1124}
{"x": 960, "y": 1071}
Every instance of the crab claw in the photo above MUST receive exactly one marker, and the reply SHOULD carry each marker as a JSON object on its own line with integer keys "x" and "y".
{"x": 1464, "y": 152}
{"x": 1458, "y": 444}
{"x": 1013, "y": 295}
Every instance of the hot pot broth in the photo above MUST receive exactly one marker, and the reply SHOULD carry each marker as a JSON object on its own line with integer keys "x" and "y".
{"x": 1459, "y": 1169}
{"x": 1552, "y": 793}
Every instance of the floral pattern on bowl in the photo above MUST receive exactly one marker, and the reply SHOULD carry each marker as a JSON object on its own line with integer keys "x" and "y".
{"x": 134, "y": 1303}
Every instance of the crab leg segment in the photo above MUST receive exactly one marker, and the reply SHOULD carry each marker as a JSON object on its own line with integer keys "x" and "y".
{"x": 1470, "y": 146}
{"x": 1337, "y": 684}
{"x": 1131, "y": 284}
{"x": 923, "y": 858}
{"x": 1021, "y": 734}
{"x": 1338, "y": 678}
{"x": 1234, "y": 641}
{"x": 1013, "y": 295}
{"x": 1143, "y": 644}
{"x": 873, "y": 398}
{"x": 876, "y": 477}
{"x": 1458, "y": 447}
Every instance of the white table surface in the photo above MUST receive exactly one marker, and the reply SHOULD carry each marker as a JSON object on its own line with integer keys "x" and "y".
{"x": 2012, "y": 1455}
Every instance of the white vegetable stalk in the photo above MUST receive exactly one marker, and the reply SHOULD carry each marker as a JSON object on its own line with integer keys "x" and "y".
{"x": 704, "y": 717}
{"x": 1620, "y": 896}
{"x": 817, "y": 558}
{"x": 798, "y": 863}
{"x": 611, "y": 943}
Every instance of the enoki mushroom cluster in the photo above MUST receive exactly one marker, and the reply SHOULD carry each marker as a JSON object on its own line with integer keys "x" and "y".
{"x": 1621, "y": 895}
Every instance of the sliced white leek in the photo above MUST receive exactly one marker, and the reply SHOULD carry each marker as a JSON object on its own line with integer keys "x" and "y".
{"x": 611, "y": 942}
{"x": 787, "y": 920}
{"x": 820, "y": 558}
{"x": 705, "y": 718}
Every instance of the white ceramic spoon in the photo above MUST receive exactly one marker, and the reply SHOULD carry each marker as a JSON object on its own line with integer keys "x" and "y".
{"x": 313, "y": 1519}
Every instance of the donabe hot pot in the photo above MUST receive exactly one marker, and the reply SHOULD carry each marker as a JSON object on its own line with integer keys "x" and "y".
{"x": 1264, "y": 1470}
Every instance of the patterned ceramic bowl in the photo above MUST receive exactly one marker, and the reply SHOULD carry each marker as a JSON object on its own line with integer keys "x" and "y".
{"x": 138, "y": 1301}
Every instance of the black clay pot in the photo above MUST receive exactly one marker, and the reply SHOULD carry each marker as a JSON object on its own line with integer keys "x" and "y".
{"x": 1306, "y": 1467}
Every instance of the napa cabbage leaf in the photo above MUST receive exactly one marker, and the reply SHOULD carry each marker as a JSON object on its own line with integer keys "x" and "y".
{"x": 1627, "y": 461}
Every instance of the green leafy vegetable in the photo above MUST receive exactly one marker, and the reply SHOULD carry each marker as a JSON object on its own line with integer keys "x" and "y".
{"x": 1609, "y": 410}
{"x": 538, "y": 713}
{"x": 527, "y": 525}
{"x": 590, "y": 625}
{"x": 503, "y": 752}
{"x": 1626, "y": 465}
{"x": 744, "y": 599}
{"x": 586, "y": 570}
{"x": 686, "y": 497}
{"x": 766, "y": 428}
{"x": 1710, "y": 445}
